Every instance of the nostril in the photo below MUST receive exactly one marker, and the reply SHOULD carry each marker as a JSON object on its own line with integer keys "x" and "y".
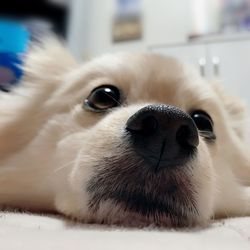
{"x": 187, "y": 136}
{"x": 144, "y": 125}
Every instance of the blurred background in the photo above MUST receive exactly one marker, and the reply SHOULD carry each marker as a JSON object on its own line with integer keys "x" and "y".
{"x": 212, "y": 35}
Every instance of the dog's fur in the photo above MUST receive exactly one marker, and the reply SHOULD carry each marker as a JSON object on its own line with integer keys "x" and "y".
{"x": 57, "y": 156}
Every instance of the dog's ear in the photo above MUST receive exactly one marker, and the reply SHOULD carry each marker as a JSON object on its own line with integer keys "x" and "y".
{"x": 46, "y": 61}
{"x": 235, "y": 107}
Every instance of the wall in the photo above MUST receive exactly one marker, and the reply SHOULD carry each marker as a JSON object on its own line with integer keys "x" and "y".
{"x": 164, "y": 21}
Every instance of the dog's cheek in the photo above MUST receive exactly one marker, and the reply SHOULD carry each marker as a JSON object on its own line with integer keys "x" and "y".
{"x": 70, "y": 198}
{"x": 73, "y": 199}
{"x": 204, "y": 180}
{"x": 95, "y": 144}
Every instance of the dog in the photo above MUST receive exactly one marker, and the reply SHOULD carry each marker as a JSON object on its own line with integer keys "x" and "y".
{"x": 125, "y": 139}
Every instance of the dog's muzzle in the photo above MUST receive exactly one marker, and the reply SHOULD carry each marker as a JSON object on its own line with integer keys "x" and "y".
{"x": 163, "y": 135}
{"x": 150, "y": 179}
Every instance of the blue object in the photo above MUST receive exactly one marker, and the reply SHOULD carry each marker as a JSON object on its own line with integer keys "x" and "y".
{"x": 14, "y": 39}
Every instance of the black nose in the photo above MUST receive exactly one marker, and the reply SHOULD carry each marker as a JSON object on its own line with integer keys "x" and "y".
{"x": 163, "y": 135}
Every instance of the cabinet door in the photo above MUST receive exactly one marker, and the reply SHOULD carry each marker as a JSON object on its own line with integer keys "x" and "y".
{"x": 231, "y": 62}
{"x": 192, "y": 54}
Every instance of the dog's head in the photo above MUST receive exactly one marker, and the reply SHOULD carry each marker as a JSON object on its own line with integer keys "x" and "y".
{"x": 140, "y": 139}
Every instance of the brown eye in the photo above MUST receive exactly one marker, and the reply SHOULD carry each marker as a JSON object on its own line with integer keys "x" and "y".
{"x": 103, "y": 98}
{"x": 204, "y": 123}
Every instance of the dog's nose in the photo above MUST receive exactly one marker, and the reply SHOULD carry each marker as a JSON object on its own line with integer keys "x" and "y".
{"x": 163, "y": 135}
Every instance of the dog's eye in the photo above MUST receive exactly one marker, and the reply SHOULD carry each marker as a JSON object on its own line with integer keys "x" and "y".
{"x": 204, "y": 123}
{"x": 102, "y": 98}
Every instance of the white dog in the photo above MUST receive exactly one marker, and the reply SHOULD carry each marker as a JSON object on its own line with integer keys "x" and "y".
{"x": 131, "y": 139}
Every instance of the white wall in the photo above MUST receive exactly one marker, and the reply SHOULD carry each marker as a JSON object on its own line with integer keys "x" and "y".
{"x": 164, "y": 21}
{"x": 167, "y": 21}
{"x": 77, "y": 27}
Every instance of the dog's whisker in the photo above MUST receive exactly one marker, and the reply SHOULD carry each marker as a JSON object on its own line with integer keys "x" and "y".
{"x": 69, "y": 164}
{"x": 78, "y": 159}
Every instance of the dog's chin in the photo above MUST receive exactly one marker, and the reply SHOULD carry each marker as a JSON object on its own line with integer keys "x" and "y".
{"x": 118, "y": 214}
{"x": 127, "y": 192}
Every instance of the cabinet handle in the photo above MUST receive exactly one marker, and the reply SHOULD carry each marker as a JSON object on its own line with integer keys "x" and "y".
{"x": 202, "y": 63}
{"x": 216, "y": 65}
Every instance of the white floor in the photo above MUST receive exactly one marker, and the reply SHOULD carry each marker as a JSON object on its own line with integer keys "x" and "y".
{"x": 23, "y": 231}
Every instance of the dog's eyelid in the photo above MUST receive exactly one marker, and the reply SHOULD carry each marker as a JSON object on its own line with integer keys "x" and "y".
{"x": 209, "y": 136}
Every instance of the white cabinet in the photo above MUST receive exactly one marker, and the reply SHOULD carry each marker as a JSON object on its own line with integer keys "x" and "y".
{"x": 227, "y": 60}
{"x": 233, "y": 66}
{"x": 194, "y": 54}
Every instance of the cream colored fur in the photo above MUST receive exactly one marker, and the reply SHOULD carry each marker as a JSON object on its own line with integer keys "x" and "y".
{"x": 49, "y": 142}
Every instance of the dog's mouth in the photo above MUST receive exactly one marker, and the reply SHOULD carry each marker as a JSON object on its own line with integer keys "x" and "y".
{"x": 139, "y": 197}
